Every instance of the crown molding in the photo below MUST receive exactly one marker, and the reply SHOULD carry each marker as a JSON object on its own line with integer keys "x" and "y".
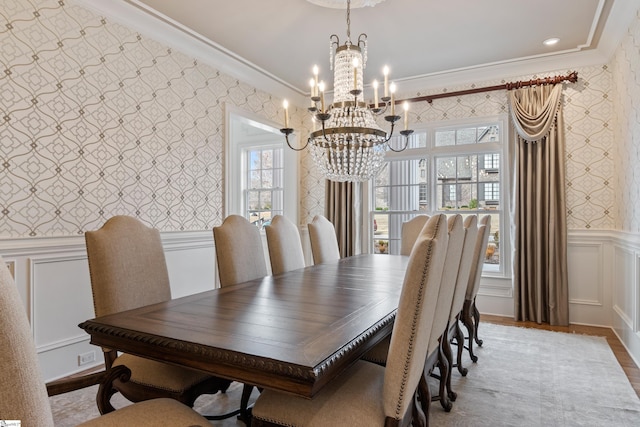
{"x": 148, "y": 22}
{"x": 138, "y": 16}
{"x": 619, "y": 17}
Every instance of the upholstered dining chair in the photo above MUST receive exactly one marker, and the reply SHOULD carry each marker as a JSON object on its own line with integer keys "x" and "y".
{"x": 23, "y": 395}
{"x": 368, "y": 394}
{"x": 240, "y": 258}
{"x": 438, "y": 353}
{"x": 470, "y": 313}
{"x": 324, "y": 243}
{"x": 410, "y": 231}
{"x": 439, "y": 350}
{"x": 239, "y": 251}
{"x": 468, "y": 252}
{"x": 285, "y": 246}
{"x": 128, "y": 270}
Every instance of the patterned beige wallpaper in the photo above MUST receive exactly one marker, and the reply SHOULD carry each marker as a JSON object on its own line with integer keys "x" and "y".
{"x": 626, "y": 94}
{"x": 97, "y": 120}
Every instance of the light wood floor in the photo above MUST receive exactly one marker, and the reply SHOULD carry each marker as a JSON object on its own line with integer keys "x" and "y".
{"x": 627, "y": 363}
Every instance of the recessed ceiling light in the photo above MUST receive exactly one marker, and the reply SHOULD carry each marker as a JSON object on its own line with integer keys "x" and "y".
{"x": 551, "y": 41}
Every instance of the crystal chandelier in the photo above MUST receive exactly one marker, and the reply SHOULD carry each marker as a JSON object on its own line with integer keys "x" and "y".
{"x": 349, "y": 146}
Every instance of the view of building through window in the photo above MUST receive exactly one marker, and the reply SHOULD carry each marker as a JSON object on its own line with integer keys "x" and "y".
{"x": 264, "y": 187}
{"x": 450, "y": 170}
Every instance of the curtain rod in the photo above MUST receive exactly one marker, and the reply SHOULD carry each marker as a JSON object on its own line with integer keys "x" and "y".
{"x": 571, "y": 77}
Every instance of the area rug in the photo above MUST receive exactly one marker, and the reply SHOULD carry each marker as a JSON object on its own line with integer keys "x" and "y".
{"x": 523, "y": 377}
{"x": 530, "y": 377}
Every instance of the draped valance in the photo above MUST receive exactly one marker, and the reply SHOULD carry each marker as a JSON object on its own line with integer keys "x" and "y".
{"x": 534, "y": 109}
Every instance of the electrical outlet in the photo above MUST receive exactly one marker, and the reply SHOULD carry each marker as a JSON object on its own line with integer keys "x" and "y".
{"x": 86, "y": 358}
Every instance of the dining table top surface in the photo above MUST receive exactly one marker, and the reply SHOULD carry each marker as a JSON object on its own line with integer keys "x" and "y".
{"x": 292, "y": 332}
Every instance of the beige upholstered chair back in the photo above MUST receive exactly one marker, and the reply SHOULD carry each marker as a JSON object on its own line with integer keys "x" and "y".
{"x": 238, "y": 251}
{"x": 285, "y": 247}
{"x": 449, "y": 276}
{"x": 127, "y": 266}
{"x": 324, "y": 244}
{"x": 416, "y": 309}
{"x": 23, "y": 395}
{"x": 410, "y": 231}
{"x": 484, "y": 228}
{"x": 468, "y": 249}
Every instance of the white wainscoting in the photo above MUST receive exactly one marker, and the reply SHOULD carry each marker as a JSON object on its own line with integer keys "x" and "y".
{"x": 52, "y": 276}
{"x": 624, "y": 282}
{"x": 589, "y": 298}
{"x": 53, "y": 279}
{"x": 589, "y": 259}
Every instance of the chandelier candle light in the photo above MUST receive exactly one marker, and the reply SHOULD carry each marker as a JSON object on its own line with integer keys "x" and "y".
{"x": 349, "y": 146}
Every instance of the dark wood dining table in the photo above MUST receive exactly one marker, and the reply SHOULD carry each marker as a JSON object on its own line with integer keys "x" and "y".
{"x": 293, "y": 332}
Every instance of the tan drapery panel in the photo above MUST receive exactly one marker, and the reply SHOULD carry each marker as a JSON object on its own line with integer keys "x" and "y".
{"x": 539, "y": 223}
{"x": 341, "y": 208}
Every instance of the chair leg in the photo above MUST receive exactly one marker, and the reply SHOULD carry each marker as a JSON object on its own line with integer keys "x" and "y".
{"x": 425, "y": 398}
{"x": 245, "y": 411}
{"x": 443, "y": 366}
{"x": 446, "y": 350}
{"x": 476, "y": 322}
{"x": 418, "y": 419}
{"x": 225, "y": 386}
{"x": 460, "y": 340}
{"x": 468, "y": 323}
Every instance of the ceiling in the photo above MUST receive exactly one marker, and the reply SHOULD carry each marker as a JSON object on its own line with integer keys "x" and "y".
{"x": 418, "y": 39}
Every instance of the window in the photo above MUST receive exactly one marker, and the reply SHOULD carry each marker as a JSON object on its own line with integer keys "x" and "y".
{"x": 491, "y": 162}
{"x": 264, "y": 189}
{"x": 448, "y": 168}
{"x": 261, "y": 173}
{"x": 491, "y": 193}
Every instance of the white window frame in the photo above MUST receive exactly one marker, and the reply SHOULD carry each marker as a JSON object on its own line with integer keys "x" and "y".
{"x": 235, "y": 161}
{"x": 431, "y": 152}
{"x": 274, "y": 190}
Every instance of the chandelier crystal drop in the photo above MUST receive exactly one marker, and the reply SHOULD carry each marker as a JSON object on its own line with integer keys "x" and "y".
{"x": 349, "y": 146}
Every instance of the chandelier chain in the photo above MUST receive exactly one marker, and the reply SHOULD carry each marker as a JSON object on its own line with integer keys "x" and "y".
{"x": 349, "y": 20}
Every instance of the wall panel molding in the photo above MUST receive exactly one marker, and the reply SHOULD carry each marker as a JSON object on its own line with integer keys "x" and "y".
{"x": 50, "y": 302}
{"x": 51, "y": 274}
{"x": 586, "y": 273}
{"x": 624, "y": 282}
